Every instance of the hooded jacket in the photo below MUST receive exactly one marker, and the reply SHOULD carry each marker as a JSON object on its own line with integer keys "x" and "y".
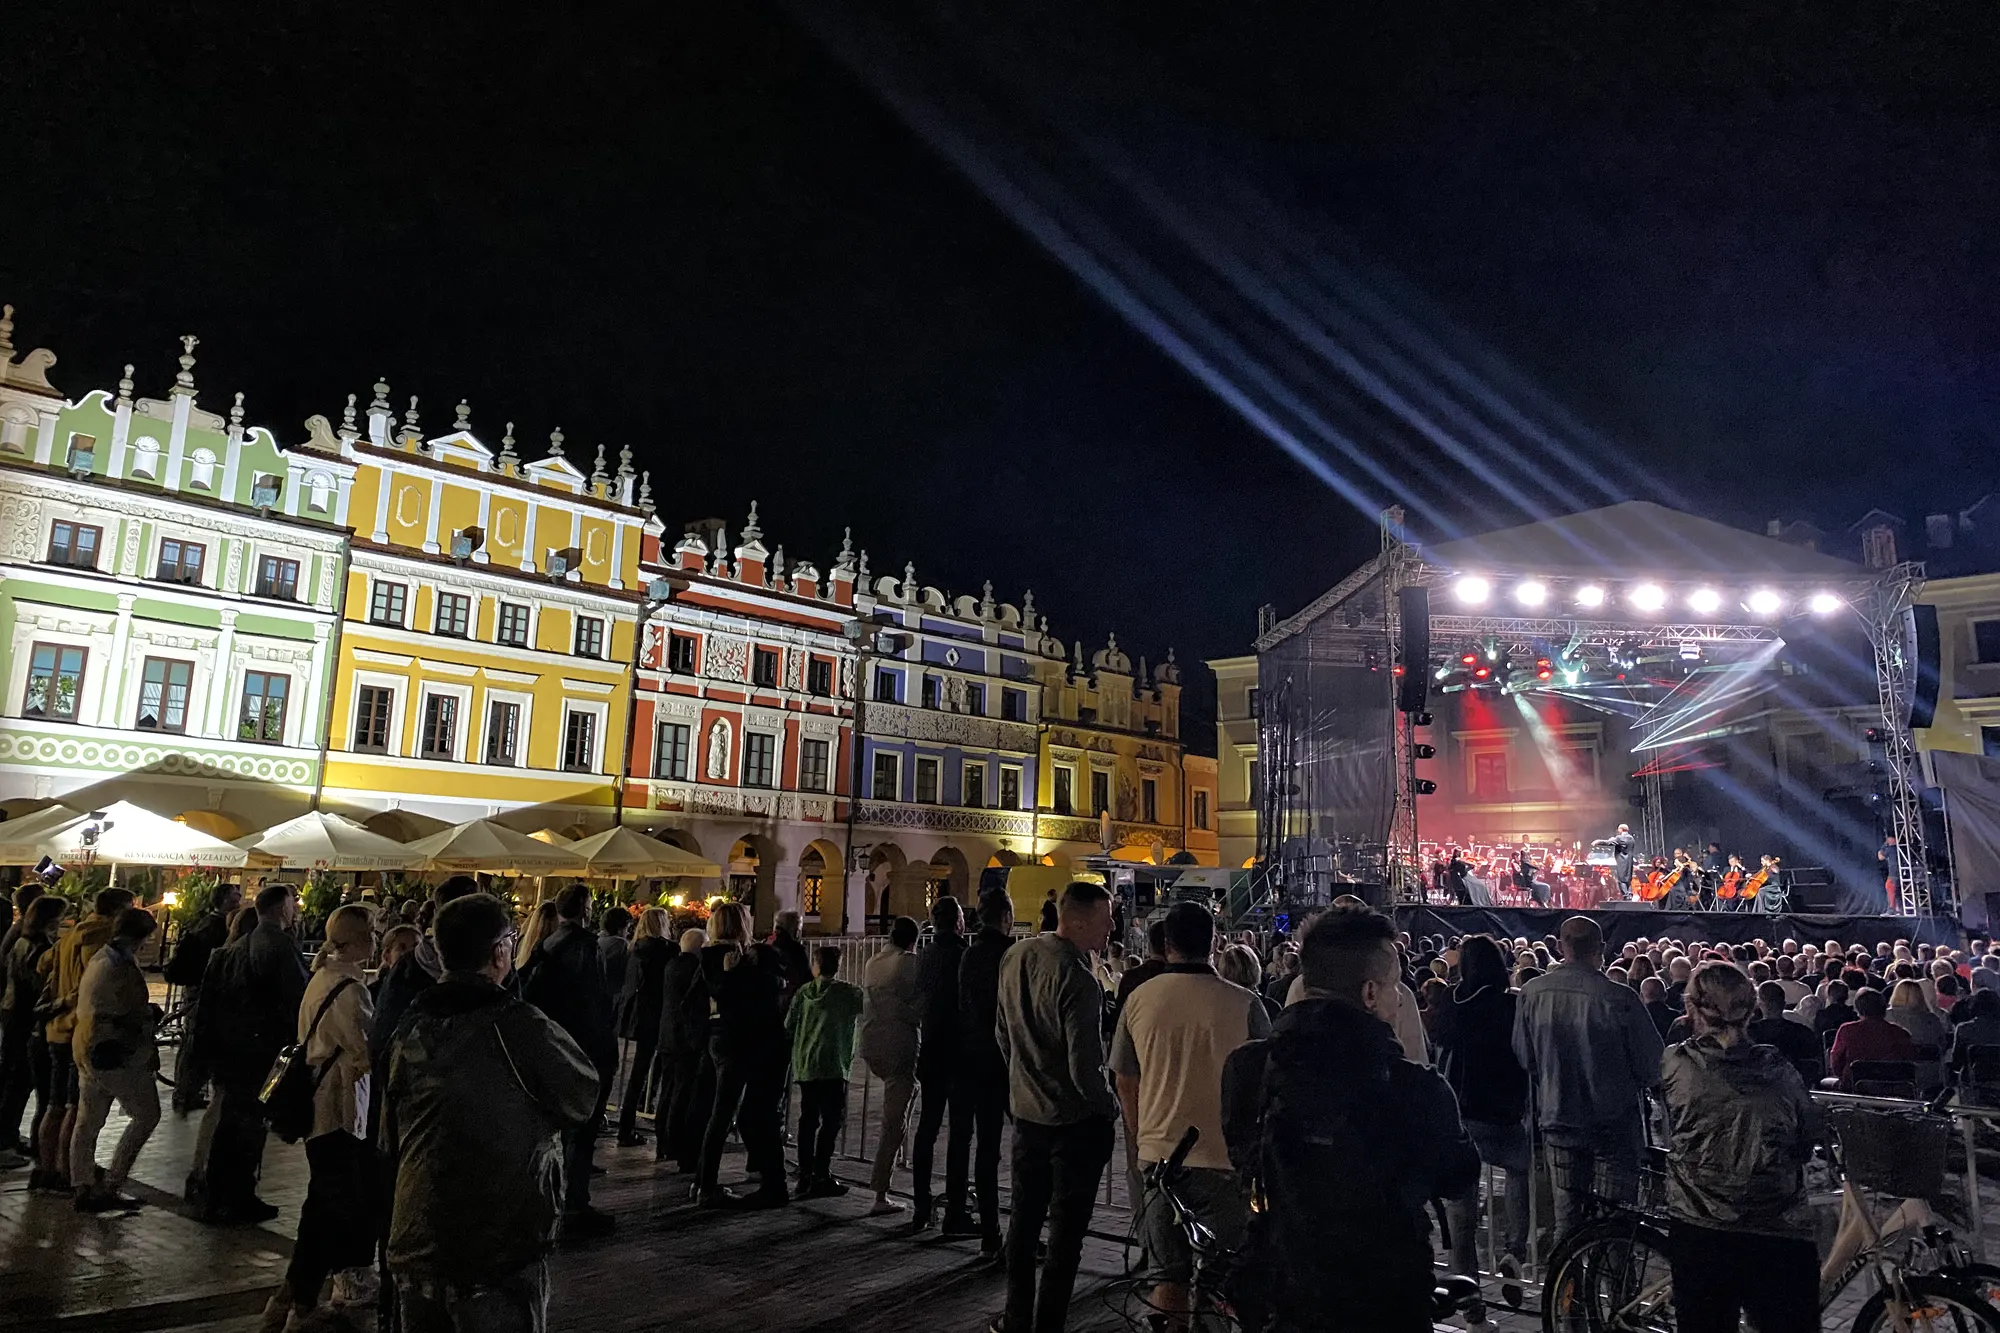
{"x": 1742, "y": 1126}
{"x": 481, "y": 1087}
{"x": 65, "y": 963}
{"x": 1475, "y": 1053}
{"x": 567, "y": 983}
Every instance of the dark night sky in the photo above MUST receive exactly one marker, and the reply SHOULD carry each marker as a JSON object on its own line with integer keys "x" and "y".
{"x": 1758, "y": 256}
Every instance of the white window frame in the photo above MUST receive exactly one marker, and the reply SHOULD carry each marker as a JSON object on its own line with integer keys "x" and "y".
{"x": 462, "y": 693}
{"x": 602, "y": 713}
{"x": 937, "y": 780}
{"x": 895, "y": 757}
{"x": 967, "y": 765}
{"x": 1074, "y": 806}
{"x": 375, "y": 580}
{"x": 827, "y": 781}
{"x": 1020, "y": 785}
{"x": 526, "y": 703}
{"x": 534, "y": 623}
{"x": 399, "y": 700}
{"x": 692, "y": 726}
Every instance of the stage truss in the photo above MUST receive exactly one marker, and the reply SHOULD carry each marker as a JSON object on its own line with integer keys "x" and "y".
{"x": 1372, "y": 640}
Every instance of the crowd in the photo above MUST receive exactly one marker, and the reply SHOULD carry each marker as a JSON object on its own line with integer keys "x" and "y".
{"x": 1337, "y": 1082}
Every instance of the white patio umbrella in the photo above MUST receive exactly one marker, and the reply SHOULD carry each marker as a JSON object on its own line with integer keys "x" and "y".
{"x": 129, "y": 835}
{"x": 623, "y": 853}
{"x": 20, "y": 839}
{"x": 317, "y": 840}
{"x": 482, "y": 845}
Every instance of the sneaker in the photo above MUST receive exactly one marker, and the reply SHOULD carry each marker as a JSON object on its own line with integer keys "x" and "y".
{"x": 992, "y": 1248}
{"x": 718, "y": 1196}
{"x": 768, "y": 1196}
{"x": 885, "y": 1208}
{"x": 10, "y": 1160}
{"x": 829, "y": 1188}
{"x": 1510, "y": 1281}
{"x": 588, "y": 1223}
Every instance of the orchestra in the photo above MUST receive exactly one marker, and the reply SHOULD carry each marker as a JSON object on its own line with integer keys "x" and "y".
{"x": 1528, "y": 874}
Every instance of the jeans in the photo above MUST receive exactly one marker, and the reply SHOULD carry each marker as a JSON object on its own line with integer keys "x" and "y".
{"x": 1056, "y": 1173}
{"x": 138, "y": 1095}
{"x": 1719, "y": 1276}
{"x": 337, "y": 1225}
{"x": 643, "y": 1047}
{"x": 985, "y": 1111}
{"x": 516, "y": 1302}
{"x": 1504, "y": 1148}
{"x": 189, "y": 1076}
{"x": 579, "y": 1143}
{"x": 930, "y": 1119}
{"x": 688, "y": 1087}
{"x": 896, "y": 1091}
{"x": 822, "y": 1111}
{"x": 747, "y": 1084}
{"x": 1604, "y": 1162}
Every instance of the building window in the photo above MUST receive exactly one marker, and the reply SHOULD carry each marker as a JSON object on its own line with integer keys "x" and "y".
{"x": 760, "y": 757}
{"x": 1986, "y": 640}
{"x": 372, "y": 706}
{"x": 975, "y": 698}
{"x": 55, "y": 682}
{"x": 1989, "y": 741}
{"x": 1065, "y": 799}
{"x": 1010, "y": 789}
{"x": 82, "y": 453}
{"x": 513, "y": 625}
{"x": 180, "y": 562}
{"x": 819, "y": 677}
{"x": 885, "y": 687}
{"x": 809, "y": 892}
{"x": 589, "y": 636}
{"x": 579, "y": 753}
{"x": 1149, "y": 800}
{"x": 278, "y": 578}
{"x": 975, "y": 786}
{"x": 888, "y": 778}
{"x": 927, "y": 780}
{"x": 265, "y": 490}
{"x": 201, "y": 469}
{"x": 763, "y": 667}
{"x": 1100, "y": 792}
{"x": 454, "y": 615}
{"x": 163, "y": 694}
{"x": 1201, "y": 809}
{"x": 812, "y": 764}
{"x": 386, "y": 603}
{"x": 680, "y": 653}
{"x": 933, "y": 692}
{"x": 670, "y": 751}
{"x": 503, "y": 733}
{"x": 438, "y": 736}
{"x": 1489, "y": 776}
{"x": 1256, "y": 792}
{"x": 263, "y": 715}
{"x": 1013, "y": 706}
{"x": 75, "y": 545}
{"x": 1250, "y": 706}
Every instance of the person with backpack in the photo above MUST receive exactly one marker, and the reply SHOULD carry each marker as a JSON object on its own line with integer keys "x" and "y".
{"x": 337, "y": 1225}
{"x": 482, "y": 1089}
{"x": 1344, "y": 1141}
{"x": 568, "y": 985}
{"x": 116, "y": 1055}
{"x": 185, "y": 970}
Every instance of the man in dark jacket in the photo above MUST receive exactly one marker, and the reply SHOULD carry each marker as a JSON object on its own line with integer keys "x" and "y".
{"x": 979, "y": 1083}
{"x": 937, "y": 1056}
{"x": 1344, "y": 1141}
{"x": 481, "y": 1089}
{"x": 687, "y": 1086}
{"x": 399, "y": 985}
{"x": 1795, "y": 1041}
{"x": 567, "y": 983}
{"x": 185, "y": 970}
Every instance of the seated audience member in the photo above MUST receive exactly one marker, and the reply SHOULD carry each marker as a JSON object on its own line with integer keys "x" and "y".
{"x": 1871, "y": 1036}
{"x": 1796, "y": 1042}
{"x": 1834, "y": 1012}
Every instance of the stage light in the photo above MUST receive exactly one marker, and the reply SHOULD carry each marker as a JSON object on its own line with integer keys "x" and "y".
{"x": 1824, "y": 603}
{"x": 1690, "y": 650}
{"x": 1704, "y": 600}
{"x": 1590, "y": 595}
{"x": 1482, "y": 673}
{"x": 1421, "y": 720}
{"x": 1531, "y": 593}
{"x": 1764, "y": 602}
{"x": 1396, "y": 669}
{"x": 1649, "y": 597}
{"x": 1423, "y": 787}
{"x": 1543, "y": 671}
{"x": 1472, "y": 590}
{"x": 1469, "y": 659}
{"x": 1423, "y": 752}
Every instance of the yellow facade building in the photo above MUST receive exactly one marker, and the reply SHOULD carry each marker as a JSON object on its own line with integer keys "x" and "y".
{"x": 486, "y": 648}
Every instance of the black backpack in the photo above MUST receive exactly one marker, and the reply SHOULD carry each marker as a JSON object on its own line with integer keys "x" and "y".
{"x": 292, "y": 1085}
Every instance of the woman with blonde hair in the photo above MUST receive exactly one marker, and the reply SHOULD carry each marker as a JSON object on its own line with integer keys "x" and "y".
{"x": 1910, "y": 1009}
{"x": 747, "y": 1040}
{"x": 541, "y": 924}
{"x": 1742, "y": 1126}
{"x": 639, "y": 1016}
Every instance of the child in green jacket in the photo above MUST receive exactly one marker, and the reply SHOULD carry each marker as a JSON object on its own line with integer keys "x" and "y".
{"x": 821, "y": 1021}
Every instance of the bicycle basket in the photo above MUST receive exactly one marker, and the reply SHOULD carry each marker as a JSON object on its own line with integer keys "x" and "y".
{"x": 1898, "y": 1153}
{"x": 1606, "y": 1180}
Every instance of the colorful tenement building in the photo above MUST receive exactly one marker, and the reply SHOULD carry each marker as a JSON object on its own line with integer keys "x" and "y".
{"x": 407, "y": 628}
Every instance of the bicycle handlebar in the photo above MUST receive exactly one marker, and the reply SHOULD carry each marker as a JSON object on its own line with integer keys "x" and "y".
{"x": 1178, "y": 1158}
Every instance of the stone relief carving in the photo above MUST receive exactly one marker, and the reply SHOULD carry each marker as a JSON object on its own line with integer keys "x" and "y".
{"x": 128, "y": 555}
{"x": 847, "y": 678}
{"x": 726, "y": 658}
{"x": 674, "y": 708}
{"x": 1128, "y": 797}
{"x": 232, "y": 570}
{"x": 795, "y": 671}
{"x": 954, "y": 694}
{"x": 718, "y": 750}
{"x": 20, "y": 527}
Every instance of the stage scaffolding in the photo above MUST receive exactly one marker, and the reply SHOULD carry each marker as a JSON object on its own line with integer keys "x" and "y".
{"x": 1338, "y": 804}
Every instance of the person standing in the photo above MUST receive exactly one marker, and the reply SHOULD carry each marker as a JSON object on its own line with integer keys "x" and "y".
{"x": 891, "y": 1027}
{"x": 1475, "y": 1043}
{"x": 821, "y": 1022}
{"x": 744, "y": 983}
{"x": 1174, "y": 1036}
{"x": 1591, "y": 1051}
{"x": 337, "y": 1224}
{"x": 185, "y": 970}
{"x": 1051, "y": 915}
{"x": 639, "y": 1019}
{"x": 482, "y": 1088}
{"x": 1051, "y": 1031}
{"x": 116, "y": 1056}
{"x": 62, "y": 968}
{"x": 1742, "y": 1126}
{"x": 568, "y": 985}
{"x": 687, "y": 1088}
{"x": 613, "y": 949}
{"x": 981, "y": 1085}
{"x": 23, "y": 1049}
{"x": 937, "y": 1055}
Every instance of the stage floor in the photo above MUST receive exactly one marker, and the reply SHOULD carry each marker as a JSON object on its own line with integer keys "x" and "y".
{"x": 1624, "y": 924}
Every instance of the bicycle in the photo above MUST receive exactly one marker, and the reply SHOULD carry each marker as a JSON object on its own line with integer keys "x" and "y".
{"x": 1210, "y": 1304}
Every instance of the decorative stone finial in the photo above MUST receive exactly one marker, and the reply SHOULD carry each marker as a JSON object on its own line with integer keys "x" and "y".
{"x": 124, "y": 382}
{"x": 646, "y": 491}
{"x": 597, "y": 474}
{"x": 380, "y": 402}
{"x": 751, "y": 532}
{"x": 1078, "y": 659}
{"x": 1045, "y": 625}
{"x": 862, "y": 575}
{"x": 909, "y": 580}
{"x": 348, "y": 430}
{"x": 6, "y": 334}
{"x": 778, "y": 566}
{"x": 986, "y": 599}
{"x": 1028, "y": 609}
{"x": 625, "y": 462}
{"x": 508, "y": 458}
{"x": 236, "y": 415}
{"x": 412, "y": 432}
{"x": 184, "y": 381}
{"x": 846, "y": 543}
{"x": 464, "y": 421}
{"x": 556, "y": 443}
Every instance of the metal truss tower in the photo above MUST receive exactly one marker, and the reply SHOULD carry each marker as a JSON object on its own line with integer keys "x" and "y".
{"x": 1401, "y": 864}
{"x": 1895, "y": 678}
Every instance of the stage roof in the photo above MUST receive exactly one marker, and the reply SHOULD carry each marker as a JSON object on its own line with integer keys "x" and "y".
{"x": 1636, "y": 538}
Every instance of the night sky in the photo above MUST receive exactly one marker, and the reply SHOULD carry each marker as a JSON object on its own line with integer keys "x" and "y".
{"x": 1755, "y": 257}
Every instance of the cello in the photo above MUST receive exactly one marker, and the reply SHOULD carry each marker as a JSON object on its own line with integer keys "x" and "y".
{"x": 1655, "y": 885}
{"x": 1753, "y": 885}
{"x": 1731, "y": 883}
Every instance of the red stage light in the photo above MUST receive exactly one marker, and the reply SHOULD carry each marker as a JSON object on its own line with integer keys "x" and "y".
{"x": 1482, "y": 673}
{"x": 1469, "y": 658}
{"x": 1397, "y": 669}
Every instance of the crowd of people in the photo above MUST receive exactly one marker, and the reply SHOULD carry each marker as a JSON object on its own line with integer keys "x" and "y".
{"x": 1328, "y": 1086}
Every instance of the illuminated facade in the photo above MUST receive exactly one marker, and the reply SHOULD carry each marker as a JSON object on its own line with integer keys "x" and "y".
{"x": 1236, "y": 757}
{"x": 169, "y": 582}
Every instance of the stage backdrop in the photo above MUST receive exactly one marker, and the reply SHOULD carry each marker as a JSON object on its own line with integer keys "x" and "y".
{"x": 1621, "y": 927}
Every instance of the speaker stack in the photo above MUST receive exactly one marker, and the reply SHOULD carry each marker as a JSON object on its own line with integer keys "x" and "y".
{"x": 1413, "y": 689}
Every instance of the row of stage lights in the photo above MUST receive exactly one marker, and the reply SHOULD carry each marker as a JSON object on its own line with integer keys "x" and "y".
{"x": 1646, "y": 598}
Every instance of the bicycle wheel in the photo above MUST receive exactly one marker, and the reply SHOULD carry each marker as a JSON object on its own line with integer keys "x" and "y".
{"x": 1609, "y": 1277}
{"x": 1937, "y": 1305}
{"x": 1983, "y": 1280}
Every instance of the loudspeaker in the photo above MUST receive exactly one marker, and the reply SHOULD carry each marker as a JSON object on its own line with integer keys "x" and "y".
{"x": 1414, "y": 688}
{"x": 1920, "y": 651}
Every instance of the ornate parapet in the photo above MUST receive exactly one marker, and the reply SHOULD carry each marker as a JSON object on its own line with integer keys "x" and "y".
{"x": 744, "y": 802}
{"x": 932, "y": 724}
{"x": 1124, "y": 833}
{"x": 115, "y": 753}
{"x": 945, "y": 818}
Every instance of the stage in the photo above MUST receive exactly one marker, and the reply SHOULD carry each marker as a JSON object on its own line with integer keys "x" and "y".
{"x": 1624, "y": 924}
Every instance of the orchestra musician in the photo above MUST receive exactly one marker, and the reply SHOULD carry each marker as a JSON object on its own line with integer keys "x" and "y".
{"x": 1456, "y": 874}
{"x": 1683, "y": 883}
{"x": 1714, "y": 865}
{"x": 1621, "y": 850}
{"x": 1729, "y": 888}
{"x": 1529, "y": 881}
